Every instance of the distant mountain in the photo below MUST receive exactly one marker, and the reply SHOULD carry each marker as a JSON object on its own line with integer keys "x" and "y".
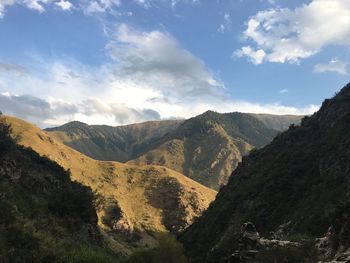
{"x": 133, "y": 202}
{"x": 205, "y": 148}
{"x": 107, "y": 143}
{"x": 295, "y": 189}
{"x": 44, "y": 216}
{"x": 208, "y": 147}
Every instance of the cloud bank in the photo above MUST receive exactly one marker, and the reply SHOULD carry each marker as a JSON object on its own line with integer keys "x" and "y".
{"x": 150, "y": 76}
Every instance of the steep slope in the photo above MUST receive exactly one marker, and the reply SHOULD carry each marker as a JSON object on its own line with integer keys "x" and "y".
{"x": 107, "y": 143}
{"x": 207, "y": 148}
{"x": 179, "y": 145}
{"x": 134, "y": 202}
{"x": 296, "y": 188}
{"x": 278, "y": 122}
{"x": 44, "y": 215}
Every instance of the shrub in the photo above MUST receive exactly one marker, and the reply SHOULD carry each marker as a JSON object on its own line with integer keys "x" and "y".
{"x": 169, "y": 250}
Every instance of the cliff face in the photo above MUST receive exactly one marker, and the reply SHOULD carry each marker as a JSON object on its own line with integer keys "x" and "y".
{"x": 295, "y": 189}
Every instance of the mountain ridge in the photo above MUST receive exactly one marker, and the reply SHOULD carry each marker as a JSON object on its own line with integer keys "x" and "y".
{"x": 179, "y": 145}
{"x": 302, "y": 168}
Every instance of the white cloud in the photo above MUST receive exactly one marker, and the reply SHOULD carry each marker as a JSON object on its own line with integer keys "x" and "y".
{"x": 150, "y": 77}
{"x": 255, "y": 56}
{"x": 99, "y": 6}
{"x": 37, "y": 5}
{"x": 89, "y": 7}
{"x": 64, "y": 5}
{"x": 334, "y": 65}
{"x": 287, "y": 35}
{"x": 226, "y": 26}
{"x": 156, "y": 60}
{"x": 283, "y": 91}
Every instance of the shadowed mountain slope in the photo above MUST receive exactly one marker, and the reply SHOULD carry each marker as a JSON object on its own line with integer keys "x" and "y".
{"x": 44, "y": 216}
{"x": 296, "y": 188}
{"x": 133, "y": 201}
{"x": 107, "y": 143}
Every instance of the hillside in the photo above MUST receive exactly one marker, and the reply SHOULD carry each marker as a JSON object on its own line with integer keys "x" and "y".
{"x": 179, "y": 145}
{"x": 207, "y": 148}
{"x": 134, "y": 201}
{"x": 294, "y": 189}
{"x": 45, "y": 217}
{"x": 107, "y": 143}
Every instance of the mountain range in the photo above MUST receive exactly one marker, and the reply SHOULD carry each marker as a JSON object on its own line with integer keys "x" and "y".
{"x": 181, "y": 145}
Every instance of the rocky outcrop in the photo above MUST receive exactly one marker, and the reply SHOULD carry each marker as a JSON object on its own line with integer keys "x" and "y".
{"x": 250, "y": 244}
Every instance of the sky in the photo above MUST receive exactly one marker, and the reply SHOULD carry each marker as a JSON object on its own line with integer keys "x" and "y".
{"x": 118, "y": 62}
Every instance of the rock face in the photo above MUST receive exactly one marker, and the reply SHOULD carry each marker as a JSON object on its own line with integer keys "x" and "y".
{"x": 293, "y": 189}
{"x": 250, "y": 244}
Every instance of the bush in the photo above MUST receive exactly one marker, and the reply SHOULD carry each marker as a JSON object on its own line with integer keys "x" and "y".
{"x": 73, "y": 201}
{"x": 169, "y": 251}
{"x": 90, "y": 255}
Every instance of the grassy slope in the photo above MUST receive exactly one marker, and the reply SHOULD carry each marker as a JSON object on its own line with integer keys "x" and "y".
{"x": 207, "y": 148}
{"x": 44, "y": 215}
{"x": 301, "y": 178}
{"x": 179, "y": 145}
{"x": 190, "y": 156}
{"x": 136, "y": 200}
{"x": 107, "y": 143}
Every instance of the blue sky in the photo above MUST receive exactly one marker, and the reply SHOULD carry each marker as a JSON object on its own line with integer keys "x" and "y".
{"x": 123, "y": 61}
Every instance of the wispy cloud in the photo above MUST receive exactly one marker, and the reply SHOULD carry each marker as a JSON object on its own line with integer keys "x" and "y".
{"x": 284, "y": 35}
{"x": 89, "y": 7}
{"x": 12, "y": 68}
{"x": 283, "y": 91}
{"x": 226, "y": 25}
{"x": 335, "y": 66}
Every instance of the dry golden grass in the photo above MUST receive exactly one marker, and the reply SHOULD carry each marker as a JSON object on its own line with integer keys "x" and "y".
{"x": 151, "y": 198}
{"x": 208, "y": 159}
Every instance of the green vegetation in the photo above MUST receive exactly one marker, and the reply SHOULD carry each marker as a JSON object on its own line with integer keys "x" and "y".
{"x": 43, "y": 213}
{"x": 299, "y": 181}
{"x": 169, "y": 251}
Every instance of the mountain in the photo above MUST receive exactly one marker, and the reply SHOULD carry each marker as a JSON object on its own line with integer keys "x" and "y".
{"x": 107, "y": 143}
{"x": 278, "y": 122}
{"x": 133, "y": 202}
{"x": 208, "y": 147}
{"x": 293, "y": 191}
{"x": 183, "y": 146}
{"x": 45, "y": 217}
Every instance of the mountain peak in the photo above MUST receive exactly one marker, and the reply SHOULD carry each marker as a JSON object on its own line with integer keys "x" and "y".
{"x": 69, "y": 126}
